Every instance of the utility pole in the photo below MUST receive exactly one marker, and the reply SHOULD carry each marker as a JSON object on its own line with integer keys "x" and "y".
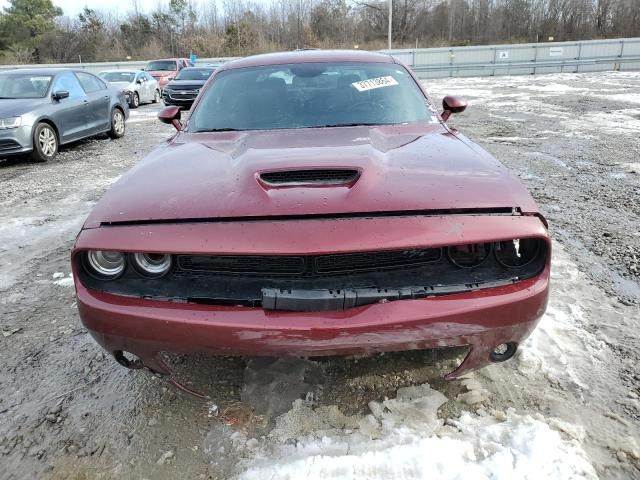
{"x": 390, "y": 23}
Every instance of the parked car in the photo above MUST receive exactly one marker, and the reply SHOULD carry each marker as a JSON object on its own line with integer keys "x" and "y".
{"x": 41, "y": 109}
{"x": 137, "y": 86}
{"x": 166, "y": 70}
{"x": 334, "y": 214}
{"x": 183, "y": 90}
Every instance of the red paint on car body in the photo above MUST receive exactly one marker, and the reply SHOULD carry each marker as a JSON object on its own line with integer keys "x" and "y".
{"x": 199, "y": 193}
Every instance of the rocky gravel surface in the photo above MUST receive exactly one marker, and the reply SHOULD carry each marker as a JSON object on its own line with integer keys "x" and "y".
{"x": 68, "y": 411}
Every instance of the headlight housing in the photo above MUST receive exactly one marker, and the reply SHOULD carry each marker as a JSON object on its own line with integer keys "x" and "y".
{"x": 152, "y": 264}
{"x": 10, "y": 122}
{"x": 517, "y": 253}
{"x": 105, "y": 264}
{"x": 469, "y": 256}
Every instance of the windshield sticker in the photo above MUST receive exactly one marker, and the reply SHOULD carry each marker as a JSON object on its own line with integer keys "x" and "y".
{"x": 372, "y": 83}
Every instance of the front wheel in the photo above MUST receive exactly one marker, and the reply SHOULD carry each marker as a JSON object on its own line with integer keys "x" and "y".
{"x": 135, "y": 100}
{"x": 156, "y": 96}
{"x": 117, "y": 124}
{"x": 45, "y": 143}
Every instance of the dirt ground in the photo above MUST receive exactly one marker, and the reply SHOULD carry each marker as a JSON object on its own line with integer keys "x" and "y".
{"x": 68, "y": 411}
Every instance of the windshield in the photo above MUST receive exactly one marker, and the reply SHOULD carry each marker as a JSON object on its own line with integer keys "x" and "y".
{"x": 161, "y": 65}
{"x": 310, "y": 95}
{"x": 118, "y": 76}
{"x": 24, "y": 85}
{"x": 194, "y": 74}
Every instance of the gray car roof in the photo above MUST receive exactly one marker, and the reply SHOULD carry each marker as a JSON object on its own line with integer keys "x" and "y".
{"x": 41, "y": 71}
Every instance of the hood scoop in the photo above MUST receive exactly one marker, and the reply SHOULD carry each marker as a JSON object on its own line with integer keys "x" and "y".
{"x": 316, "y": 177}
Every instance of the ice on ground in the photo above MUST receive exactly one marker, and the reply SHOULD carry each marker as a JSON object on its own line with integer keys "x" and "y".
{"x": 613, "y": 123}
{"x": 475, "y": 393}
{"x": 64, "y": 281}
{"x": 558, "y": 88}
{"x": 404, "y": 438}
{"x": 560, "y": 347}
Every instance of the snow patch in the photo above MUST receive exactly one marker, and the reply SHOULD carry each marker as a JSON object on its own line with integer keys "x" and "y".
{"x": 404, "y": 438}
{"x": 560, "y": 347}
{"x": 64, "y": 281}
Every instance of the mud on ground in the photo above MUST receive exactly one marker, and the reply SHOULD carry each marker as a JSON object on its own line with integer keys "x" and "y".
{"x": 69, "y": 411}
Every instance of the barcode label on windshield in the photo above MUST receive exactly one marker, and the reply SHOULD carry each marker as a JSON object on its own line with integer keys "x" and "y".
{"x": 372, "y": 83}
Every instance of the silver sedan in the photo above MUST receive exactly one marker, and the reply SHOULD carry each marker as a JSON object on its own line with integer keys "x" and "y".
{"x": 41, "y": 109}
{"x": 138, "y": 86}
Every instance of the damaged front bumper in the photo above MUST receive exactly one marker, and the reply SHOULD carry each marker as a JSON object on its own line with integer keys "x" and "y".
{"x": 480, "y": 320}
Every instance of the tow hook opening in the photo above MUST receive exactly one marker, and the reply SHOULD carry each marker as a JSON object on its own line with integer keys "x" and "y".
{"x": 128, "y": 360}
{"x": 503, "y": 352}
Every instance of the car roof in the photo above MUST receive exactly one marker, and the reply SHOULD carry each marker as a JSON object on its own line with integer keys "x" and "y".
{"x": 41, "y": 71}
{"x": 308, "y": 56}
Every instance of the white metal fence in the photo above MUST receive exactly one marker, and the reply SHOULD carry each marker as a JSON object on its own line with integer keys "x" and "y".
{"x": 516, "y": 59}
{"x": 523, "y": 59}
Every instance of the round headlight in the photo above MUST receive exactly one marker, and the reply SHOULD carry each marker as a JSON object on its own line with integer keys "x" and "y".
{"x": 105, "y": 264}
{"x": 518, "y": 252}
{"x": 469, "y": 256}
{"x": 152, "y": 264}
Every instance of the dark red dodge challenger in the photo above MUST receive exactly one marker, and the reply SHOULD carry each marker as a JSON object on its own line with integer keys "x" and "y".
{"x": 313, "y": 203}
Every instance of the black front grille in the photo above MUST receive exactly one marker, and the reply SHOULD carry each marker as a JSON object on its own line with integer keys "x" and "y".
{"x": 365, "y": 261}
{"x": 311, "y": 176}
{"x": 243, "y": 264}
{"x": 8, "y": 144}
{"x": 309, "y": 266}
{"x": 328, "y": 281}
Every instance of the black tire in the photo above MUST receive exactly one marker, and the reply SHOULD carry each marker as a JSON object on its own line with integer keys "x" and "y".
{"x": 45, "y": 143}
{"x": 135, "y": 100}
{"x": 156, "y": 96}
{"x": 118, "y": 125}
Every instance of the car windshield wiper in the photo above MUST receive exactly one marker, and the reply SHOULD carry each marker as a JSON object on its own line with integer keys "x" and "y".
{"x": 8, "y": 98}
{"x": 204, "y": 130}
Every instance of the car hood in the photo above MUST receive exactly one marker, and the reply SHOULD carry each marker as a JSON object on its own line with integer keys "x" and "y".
{"x": 19, "y": 106}
{"x": 403, "y": 168}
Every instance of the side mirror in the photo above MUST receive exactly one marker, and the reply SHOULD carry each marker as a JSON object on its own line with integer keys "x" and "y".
{"x": 452, "y": 104}
{"x": 60, "y": 94}
{"x": 171, "y": 116}
{"x": 139, "y": 81}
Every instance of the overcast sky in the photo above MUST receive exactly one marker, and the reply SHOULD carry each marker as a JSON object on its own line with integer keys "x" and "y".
{"x": 73, "y": 7}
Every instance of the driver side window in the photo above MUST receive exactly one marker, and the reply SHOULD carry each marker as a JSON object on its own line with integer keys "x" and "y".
{"x": 68, "y": 82}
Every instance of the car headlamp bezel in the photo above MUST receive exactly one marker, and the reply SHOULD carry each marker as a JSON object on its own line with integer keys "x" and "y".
{"x": 9, "y": 123}
{"x": 105, "y": 264}
{"x": 153, "y": 265}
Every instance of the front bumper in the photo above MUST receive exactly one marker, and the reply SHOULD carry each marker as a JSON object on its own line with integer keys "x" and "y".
{"x": 15, "y": 141}
{"x": 479, "y": 319}
{"x": 179, "y": 101}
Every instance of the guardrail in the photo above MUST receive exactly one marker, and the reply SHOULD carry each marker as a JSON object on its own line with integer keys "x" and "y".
{"x": 519, "y": 59}
{"x": 487, "y": 60}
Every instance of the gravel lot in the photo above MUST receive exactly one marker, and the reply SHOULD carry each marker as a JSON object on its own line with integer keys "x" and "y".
{"x": 68, "y": 411}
